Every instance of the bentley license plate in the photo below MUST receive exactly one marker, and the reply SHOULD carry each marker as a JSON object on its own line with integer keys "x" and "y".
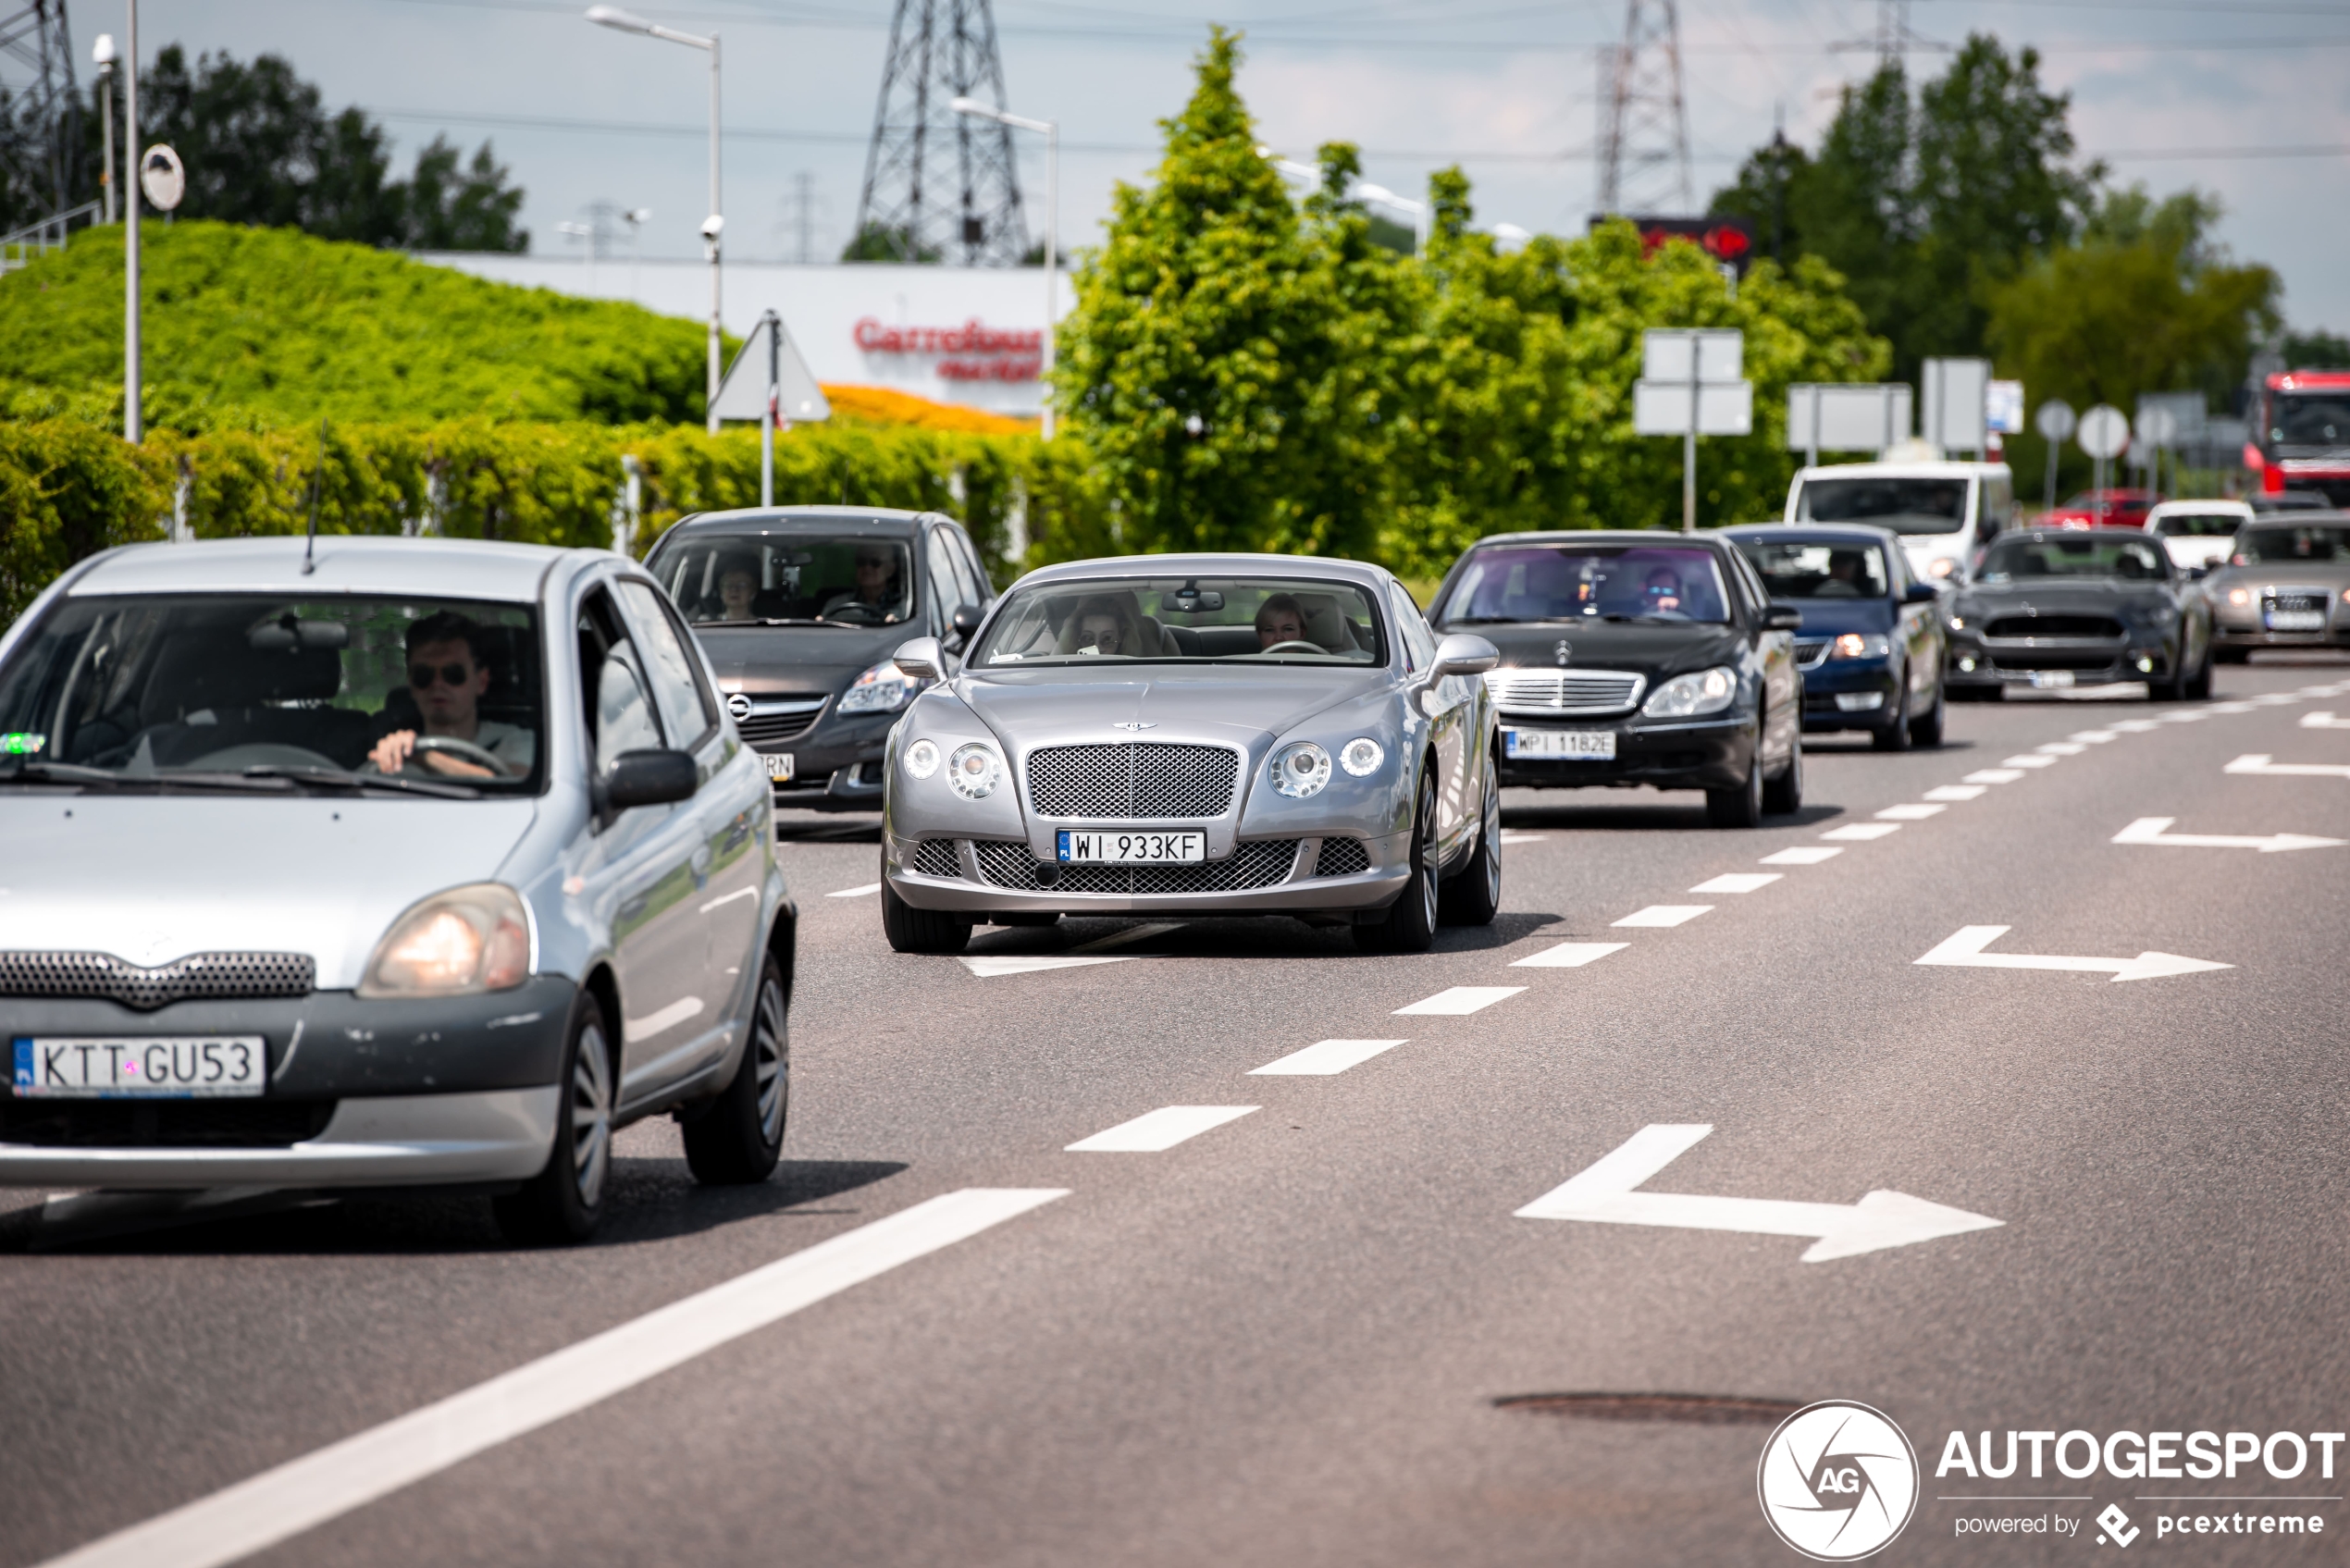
{"x": 2052, "y": 680}
{"x": 1132, "y": 849}
{"x": 1573, "y": 745}
{"x": 778, "y": 765}
{"x": 135, "y": 1066}
{"x": 2296, "y": 620}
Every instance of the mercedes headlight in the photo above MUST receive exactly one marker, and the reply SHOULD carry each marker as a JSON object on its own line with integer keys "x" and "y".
{"x": 459, "y": 943}
{"x": 974, "y": 771}
{"x": 922, "y": 758}
{"x": 1299, "y": 769}
{"x": 1686, "y": 697}
{"x": 1860, "y": 645}
{"x": 1362, "y": 756}
{"x": 881, "y": 689}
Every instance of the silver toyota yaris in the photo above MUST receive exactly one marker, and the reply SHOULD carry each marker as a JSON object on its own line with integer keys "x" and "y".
{"x": 415, "y": 863}
{"x": 1196, "y": 735}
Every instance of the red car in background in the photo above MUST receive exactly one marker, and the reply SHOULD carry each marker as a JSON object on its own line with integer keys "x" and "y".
{"x": 2101, "y": 509}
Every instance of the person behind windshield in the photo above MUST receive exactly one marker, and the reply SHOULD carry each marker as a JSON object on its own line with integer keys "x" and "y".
{"x": 1278, "y": 620}
{"x": 448, "y": 673}
{"x": 1661, "y": 595}
{"x": 878, "y": 588}
{"x": 1102, "y": 628}
{"x": 737, "y": 586}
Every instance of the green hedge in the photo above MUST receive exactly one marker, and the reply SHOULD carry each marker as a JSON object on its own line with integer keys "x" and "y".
{"x": 68, "y": 489}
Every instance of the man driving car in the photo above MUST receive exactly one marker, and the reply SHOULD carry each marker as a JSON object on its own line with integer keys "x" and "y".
{"x": 448, "y": 673}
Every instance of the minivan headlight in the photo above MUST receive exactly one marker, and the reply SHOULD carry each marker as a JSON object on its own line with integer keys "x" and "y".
{"x": 974, "y": 771}
{"x": 1686, "y": 697}
{"x": 1301, "y": 769}
{"x": 461, "y": 943}
{"x": 880, "y": 689}
{"x": 1860, "y": 645}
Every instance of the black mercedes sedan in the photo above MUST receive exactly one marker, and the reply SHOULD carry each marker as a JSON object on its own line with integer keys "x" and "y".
{"x": 2051, "y": 607}
{"x": 1637, "y": 659}
{"x": 800, "y": 610}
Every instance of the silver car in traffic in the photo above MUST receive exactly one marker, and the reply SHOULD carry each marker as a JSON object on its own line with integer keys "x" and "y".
{"x": 409, "y": 862}
{"x": 1196, "y": 735}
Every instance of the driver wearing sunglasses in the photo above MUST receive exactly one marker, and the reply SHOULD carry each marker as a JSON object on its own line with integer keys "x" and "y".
{"x": 447, "y": 676}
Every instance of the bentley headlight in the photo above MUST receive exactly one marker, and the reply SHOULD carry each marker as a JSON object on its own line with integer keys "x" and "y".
{"x": 881, "y": 689}
{"x": 1859, "y": 644}
{"x": 1686, "y": 697}
{"x": 974, "y": 771}
{"x": 1299, "y": 769}
{"x": 922, "y": 758}
{"x": 1362, "y": 756}
{"x": 459, "y": 943}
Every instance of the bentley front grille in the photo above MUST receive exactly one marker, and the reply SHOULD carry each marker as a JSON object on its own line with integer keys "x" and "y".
{"x": 1263, "y": 862}
{"x": 1342, "y": 857}
{"x": 198, "y": 977}
{"x": 936, "y": 858}
{"x": 1574, "y": 692}
{"x": 1132, "y": 779}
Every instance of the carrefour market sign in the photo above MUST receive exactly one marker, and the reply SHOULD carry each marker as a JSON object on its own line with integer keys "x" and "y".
{"x": 974, "y": 352}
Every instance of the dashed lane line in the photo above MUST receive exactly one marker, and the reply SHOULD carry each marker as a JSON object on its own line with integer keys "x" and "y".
{"x": 856, "y": 892}
{"x": 1860, "y": 833}
{"x": 2095, "y": 737}
{"x": 987, "y": 966}
{"x": 1324, "y": 1058}
{"x": 1569, "y": 956}
{"x": 2060, "y": 748}
{"x": 1913, "y": 812}
{"x": 2323, "y": 722}
{"x": 1800, "y": 855}
{"x": 1157, "y": 1131}
{"x": 1738, "y": 882}
{"x": 1664, "y": 914}
{"x": 2028, "y": 759}
{"x": 1995, "y": 775}
{"x": 1459, "y": 1001}
{"x": 2134, "y": 726}
{"x": 279, "y": 1504}
{"x": 1956, "y": 792}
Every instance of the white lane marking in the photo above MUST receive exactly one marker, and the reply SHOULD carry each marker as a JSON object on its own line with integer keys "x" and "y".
{"x": 856, "y": 892}
{"x": 1738, "y": 882}
{"x": 1603, "y": 1193}
{"x": 2271, "y": 699}
{"x": 2060, "y": 748}
{"x": 659, "y": 1018}
{"x": 1956, "y": 792}
{"x": 2134, "y": 727}
{"x": 1965, "y": 949}
{"x": 990, "y": 968}
{"x": 1459, "y": 1001}
{"x": 730, "y": 897}
{"x": 1324, "y": 1057}
{"x": 1133, "y": 933}
{"x": 1664, "y": 914}
{"x": 1569, "y": 956}
{"x": 1911, "y": 813}
{"x": 1156, "y": 1131}
{"x": 1511, "y": 835}
{"x": 2323, "y": 722}
{"x": 2028, "y": 761}
{"x": 1860, "y": 833}
{"x": 1801, "y": 855}
{"x": 2095, "y": 737}
{"x": 2150, "y": 830}
{"x": 2231, "y": 708}
{"x": 303, "y": 1493}
{"x": 1995, "y": 775}
{"x": 2260, "y": 762}
{"x": 2195, "y": 716}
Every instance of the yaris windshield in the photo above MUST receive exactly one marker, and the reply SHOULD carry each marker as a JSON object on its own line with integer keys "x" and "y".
{"x": 277, "y": 693}
{"x": 1568, "y": 582}
{"x": 796, "y": 579}
{"x": 1119, "y": 620}
{"x": 2016, "y": 559}
{"x": 1906, "y": 506}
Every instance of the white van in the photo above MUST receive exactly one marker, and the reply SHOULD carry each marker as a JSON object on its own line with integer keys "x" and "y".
{"x": 2198, "y": 533}
{"x": 1944, "y": 511}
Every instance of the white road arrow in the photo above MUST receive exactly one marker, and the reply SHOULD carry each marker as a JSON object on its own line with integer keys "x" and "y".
{"x": 2323, "y": 722}
{"x": 2149, "y": 830}
{"x": 2259, "y": 762}
{"x": 1603, "y": 1194}
{"x": 1966, "y": 949}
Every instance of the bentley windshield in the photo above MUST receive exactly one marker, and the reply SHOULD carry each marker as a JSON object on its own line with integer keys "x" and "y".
{"x": 1190, "y": 620}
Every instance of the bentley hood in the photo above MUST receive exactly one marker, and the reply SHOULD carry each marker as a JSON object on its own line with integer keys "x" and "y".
{"x": 1240, "y": 704}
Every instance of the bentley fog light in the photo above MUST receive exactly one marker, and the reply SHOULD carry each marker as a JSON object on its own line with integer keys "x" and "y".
{"x": 1685, "y": 696}
{"x": 1853, "y": 644}
{"x": 1362, "y": 756}
{"x": 459, "y": 943}
{"x": 974, "y": 771}
{"x": 880, "y": 689}
{"x": 922, "y": 758}
{"x": 1301, "y": 769}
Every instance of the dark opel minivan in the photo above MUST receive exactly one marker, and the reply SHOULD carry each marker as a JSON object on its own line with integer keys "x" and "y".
{"x": 799, "y": 609}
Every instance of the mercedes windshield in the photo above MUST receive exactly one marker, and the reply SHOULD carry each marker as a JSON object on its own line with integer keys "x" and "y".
{"x": 1504, "y": 584}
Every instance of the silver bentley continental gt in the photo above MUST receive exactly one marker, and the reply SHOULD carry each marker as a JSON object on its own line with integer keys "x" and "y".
{"x": 1196, "y": 735}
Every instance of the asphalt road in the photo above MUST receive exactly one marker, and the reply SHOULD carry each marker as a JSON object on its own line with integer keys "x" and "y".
{"x": 1288, "y": 1340}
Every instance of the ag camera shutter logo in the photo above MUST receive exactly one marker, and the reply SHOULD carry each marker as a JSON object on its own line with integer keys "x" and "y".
{"x": 1837, "y": 1481}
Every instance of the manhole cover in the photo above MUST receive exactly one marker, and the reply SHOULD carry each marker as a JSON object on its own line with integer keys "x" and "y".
{"x": 1691, "y": 1410}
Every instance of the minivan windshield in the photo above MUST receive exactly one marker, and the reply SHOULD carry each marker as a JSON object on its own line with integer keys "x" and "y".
{"x": 1115, "y": 620}
{"x": 1906, "y": 506}
{"x": 277, "y": 693}
{"x": 2059, "y": 555}
{"x": 1818, "y": 568}
{"x": 788, "y": 579}
{"x": 1499, "y": 583}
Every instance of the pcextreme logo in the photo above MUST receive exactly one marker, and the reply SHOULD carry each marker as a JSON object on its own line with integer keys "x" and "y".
{"x": 1837, "y": 1480}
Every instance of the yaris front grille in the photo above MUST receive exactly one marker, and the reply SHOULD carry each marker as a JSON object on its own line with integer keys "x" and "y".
{"x": 200, "y": 976}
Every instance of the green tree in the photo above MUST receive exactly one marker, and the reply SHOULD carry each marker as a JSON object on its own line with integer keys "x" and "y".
{"x": 2316, "y": 350}
{"x": 876, "y": 243}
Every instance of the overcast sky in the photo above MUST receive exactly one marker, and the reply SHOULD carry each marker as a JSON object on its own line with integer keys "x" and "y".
{"x": 2172, "y": 93}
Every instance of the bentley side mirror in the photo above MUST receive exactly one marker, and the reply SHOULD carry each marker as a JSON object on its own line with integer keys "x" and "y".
{"x": 1921, "y": 592}
{"x": 1782, "y": 618}
{"x": 1463, "y": 654}
{"x": 649, "y": 778}
{"x": 922, "y": 658}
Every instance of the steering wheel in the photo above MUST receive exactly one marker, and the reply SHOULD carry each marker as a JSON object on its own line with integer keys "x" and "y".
{"x": 871, "y": 616}
{"x": 1298, "y": 645}
{"x": 462, "y": 750}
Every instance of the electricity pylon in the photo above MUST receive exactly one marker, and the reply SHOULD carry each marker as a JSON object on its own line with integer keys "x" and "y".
{"x": 940, "y": 185}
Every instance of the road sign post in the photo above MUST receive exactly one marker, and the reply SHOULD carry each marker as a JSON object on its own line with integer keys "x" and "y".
{"x": 2105, "y": 435}
{"x": 771, "y": 383}
{"x": 2054, "y": 422}
{"x": 1692, "y": 384}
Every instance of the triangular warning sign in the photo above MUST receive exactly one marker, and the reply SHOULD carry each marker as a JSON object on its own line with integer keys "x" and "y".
{"x": 767, "y": 354}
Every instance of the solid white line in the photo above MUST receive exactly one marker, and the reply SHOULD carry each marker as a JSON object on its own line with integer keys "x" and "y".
{"x": 1801, "y": 855}
{"x": 1459, "y": 1000}
{"x": 278, "y": 1504}
{"x": 1664, "y": 914}
{"x": 1860, "y": 833}
{"x": 1956, "y": 792}
{"x": 856, "y": 892}
{"x": 1738, "y": 882}
{"x": 1911, "y": 813}
{"x": 1569, "y": 956}
{"x": 991, "y": 967}
{"x": 1156, "y": 1131}
{"x": 1133, "y": 933}
{"x": 1995, "y": 775}
{"x": 730, "y": 897}
{"x": 1324, "y": 1057}
{"x": 2028, "y": 761}
{"x": 1511, "y": 835}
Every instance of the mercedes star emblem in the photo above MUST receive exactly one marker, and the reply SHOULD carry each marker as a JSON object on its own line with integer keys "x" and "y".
{"x": 1564, "y": 649}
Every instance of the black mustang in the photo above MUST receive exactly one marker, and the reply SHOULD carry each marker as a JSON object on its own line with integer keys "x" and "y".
{"x": 2062, "y": 607}
{"x": 1637, "y": 659}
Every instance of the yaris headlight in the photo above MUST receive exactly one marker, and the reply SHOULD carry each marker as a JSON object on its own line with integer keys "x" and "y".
{"x": 1301, "y": 769}
{"x": 881, "y": 689}
{"x": 1686, "y": 696}
{"x": 459, "y": 943}
{"x": 974, "y": 771}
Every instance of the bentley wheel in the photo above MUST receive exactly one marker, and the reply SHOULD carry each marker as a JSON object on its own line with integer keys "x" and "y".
{"x": 1741, "y": 805}
{"x": 565, "y": 1201}
{"x": 1410, "y": 925}
{"x": 1472, "y": 895}
{"x": 920, "y": 931}
{"x": 737, "y": 1138}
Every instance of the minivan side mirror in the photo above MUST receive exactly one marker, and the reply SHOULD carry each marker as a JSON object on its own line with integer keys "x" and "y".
{"x": 650, "y": 778}
{"x": 1921, "y": 592}
{"x": 1782, "y": 618}
{"x": 922, "y": 658}
{"x": 1463, "y": 654}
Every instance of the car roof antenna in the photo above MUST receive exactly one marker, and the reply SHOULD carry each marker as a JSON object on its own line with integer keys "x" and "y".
{"x": 318, "y": 478}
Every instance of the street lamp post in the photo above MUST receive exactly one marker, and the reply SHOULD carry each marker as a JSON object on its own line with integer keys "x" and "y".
{"x": 1052, "y": 134}
{"x": 134, "y": 425}
{"x": 627, "y": 21}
